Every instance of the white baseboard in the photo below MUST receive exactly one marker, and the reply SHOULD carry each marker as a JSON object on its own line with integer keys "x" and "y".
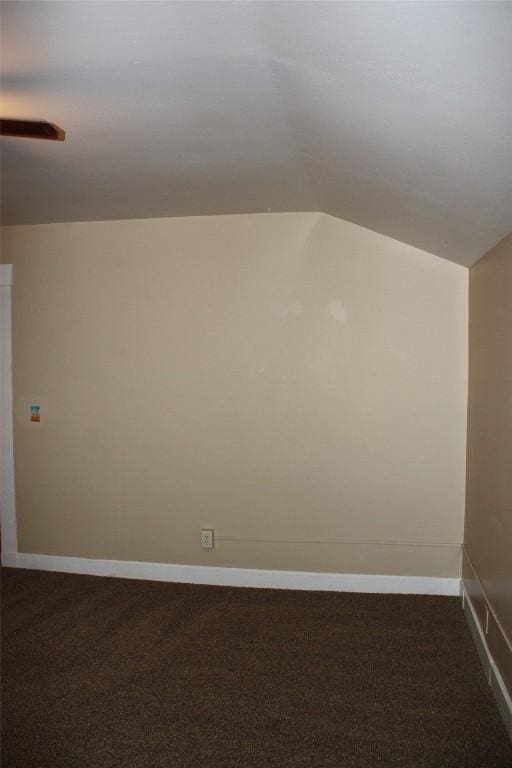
{"x": 238, "y": 577}
{"x": 492, "y": 672}
{"x": 10, "y": 560}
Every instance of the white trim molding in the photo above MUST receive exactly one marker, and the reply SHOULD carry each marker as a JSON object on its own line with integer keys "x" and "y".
{"x": 7, "y": 498}
{"x": 6, "y": 274}
{"x": 491, "y": 669}
{"x": 492, "y": 643}
{"x": 238, "y": 577}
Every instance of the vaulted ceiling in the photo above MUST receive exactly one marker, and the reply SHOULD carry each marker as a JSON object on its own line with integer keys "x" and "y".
{"x": 396, "y": 116}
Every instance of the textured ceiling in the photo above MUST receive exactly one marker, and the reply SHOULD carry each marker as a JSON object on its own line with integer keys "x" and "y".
{"x": 396, "y": 116}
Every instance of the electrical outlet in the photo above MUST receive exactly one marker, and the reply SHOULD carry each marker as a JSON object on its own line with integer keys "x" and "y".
{"x": 207, "y": 538}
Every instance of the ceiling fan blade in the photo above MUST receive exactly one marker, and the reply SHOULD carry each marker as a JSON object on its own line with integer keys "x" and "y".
{"x": 31, "y": 129}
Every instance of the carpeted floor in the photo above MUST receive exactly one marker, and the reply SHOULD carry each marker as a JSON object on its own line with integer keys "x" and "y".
{"x": 112, "y": 673}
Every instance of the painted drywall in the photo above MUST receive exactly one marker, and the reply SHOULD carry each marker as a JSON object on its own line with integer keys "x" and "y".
{"x": 295, "y": 382}
{"x": 488, "y": 529}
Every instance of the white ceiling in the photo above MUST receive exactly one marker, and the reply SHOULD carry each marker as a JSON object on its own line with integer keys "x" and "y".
{"x": 396, "y": 116}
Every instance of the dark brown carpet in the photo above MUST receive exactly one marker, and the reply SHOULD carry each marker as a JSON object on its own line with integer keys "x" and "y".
{"x": 111, "y": 673}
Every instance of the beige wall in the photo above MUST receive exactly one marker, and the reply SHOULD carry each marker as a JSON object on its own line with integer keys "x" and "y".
{"x": 282, "y": 376}
{"x": 488, "y": 530}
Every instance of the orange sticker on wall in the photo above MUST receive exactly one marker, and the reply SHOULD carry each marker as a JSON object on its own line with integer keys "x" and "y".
{"x": 34, "y": 413}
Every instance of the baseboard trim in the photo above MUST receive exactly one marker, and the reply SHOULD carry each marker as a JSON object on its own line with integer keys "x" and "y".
{"x": 10, "y": 560}
{"x": 238, "y": 577}
{"x": 492, "y": 672}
